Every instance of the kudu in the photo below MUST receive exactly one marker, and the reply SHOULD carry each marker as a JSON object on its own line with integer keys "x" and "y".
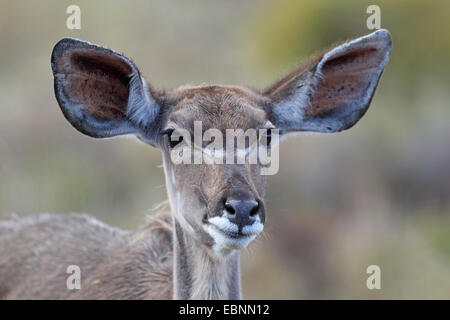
{"x": 216, "y": 209}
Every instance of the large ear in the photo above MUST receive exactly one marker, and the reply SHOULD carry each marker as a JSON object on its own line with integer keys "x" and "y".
{"x": 101, "y": 92}
{"x": 333, "y": 91}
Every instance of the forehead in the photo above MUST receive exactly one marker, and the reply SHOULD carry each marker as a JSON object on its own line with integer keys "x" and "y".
{"x": 220, "y": 107}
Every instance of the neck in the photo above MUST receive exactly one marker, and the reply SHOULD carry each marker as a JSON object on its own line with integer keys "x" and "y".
{"x": 198, "y": 275}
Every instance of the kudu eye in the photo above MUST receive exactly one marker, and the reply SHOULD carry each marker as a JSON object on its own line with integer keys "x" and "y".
{"x": 266, "y": 138}
{"x": 174, "y": 139}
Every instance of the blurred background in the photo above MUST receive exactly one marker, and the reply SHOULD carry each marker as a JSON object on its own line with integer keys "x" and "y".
{"x": 376, "y": 194}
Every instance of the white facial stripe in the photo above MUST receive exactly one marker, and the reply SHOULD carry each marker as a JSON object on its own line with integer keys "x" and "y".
{"x": 213, "y": 153}
{"x": 219, "y": 154}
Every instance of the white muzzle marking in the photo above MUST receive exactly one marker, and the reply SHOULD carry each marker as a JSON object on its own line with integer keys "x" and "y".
{"x": 220, "y": 228}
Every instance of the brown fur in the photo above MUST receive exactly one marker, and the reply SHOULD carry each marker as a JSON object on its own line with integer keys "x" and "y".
{"x": 108, "y": 258}
{"x": 186, "y": 256}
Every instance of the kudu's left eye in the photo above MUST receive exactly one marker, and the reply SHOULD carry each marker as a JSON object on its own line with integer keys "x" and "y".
{"x": 266, "y": 138}
{"x": 173, "y": 138}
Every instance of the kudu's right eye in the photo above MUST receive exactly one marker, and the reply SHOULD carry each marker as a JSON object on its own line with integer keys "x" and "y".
{"x": 173, "y": 138}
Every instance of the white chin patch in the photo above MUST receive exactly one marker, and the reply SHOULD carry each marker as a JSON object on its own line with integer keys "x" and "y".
{"x": 224, "y": 243}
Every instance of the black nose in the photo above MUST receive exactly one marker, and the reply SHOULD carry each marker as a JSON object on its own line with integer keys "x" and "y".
{"x": 241, "y": 212}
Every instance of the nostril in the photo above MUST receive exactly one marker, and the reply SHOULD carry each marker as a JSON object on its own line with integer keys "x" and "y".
{"x": 254, "y": 210}
{"x": 229, "y": 208}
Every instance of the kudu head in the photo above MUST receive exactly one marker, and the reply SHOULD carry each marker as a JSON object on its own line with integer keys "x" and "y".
{"x": 102, "y": 94}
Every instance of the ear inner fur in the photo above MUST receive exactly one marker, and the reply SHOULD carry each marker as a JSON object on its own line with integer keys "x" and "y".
{"x": 101, "y": 92}
{"x": 332, "y": 91}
